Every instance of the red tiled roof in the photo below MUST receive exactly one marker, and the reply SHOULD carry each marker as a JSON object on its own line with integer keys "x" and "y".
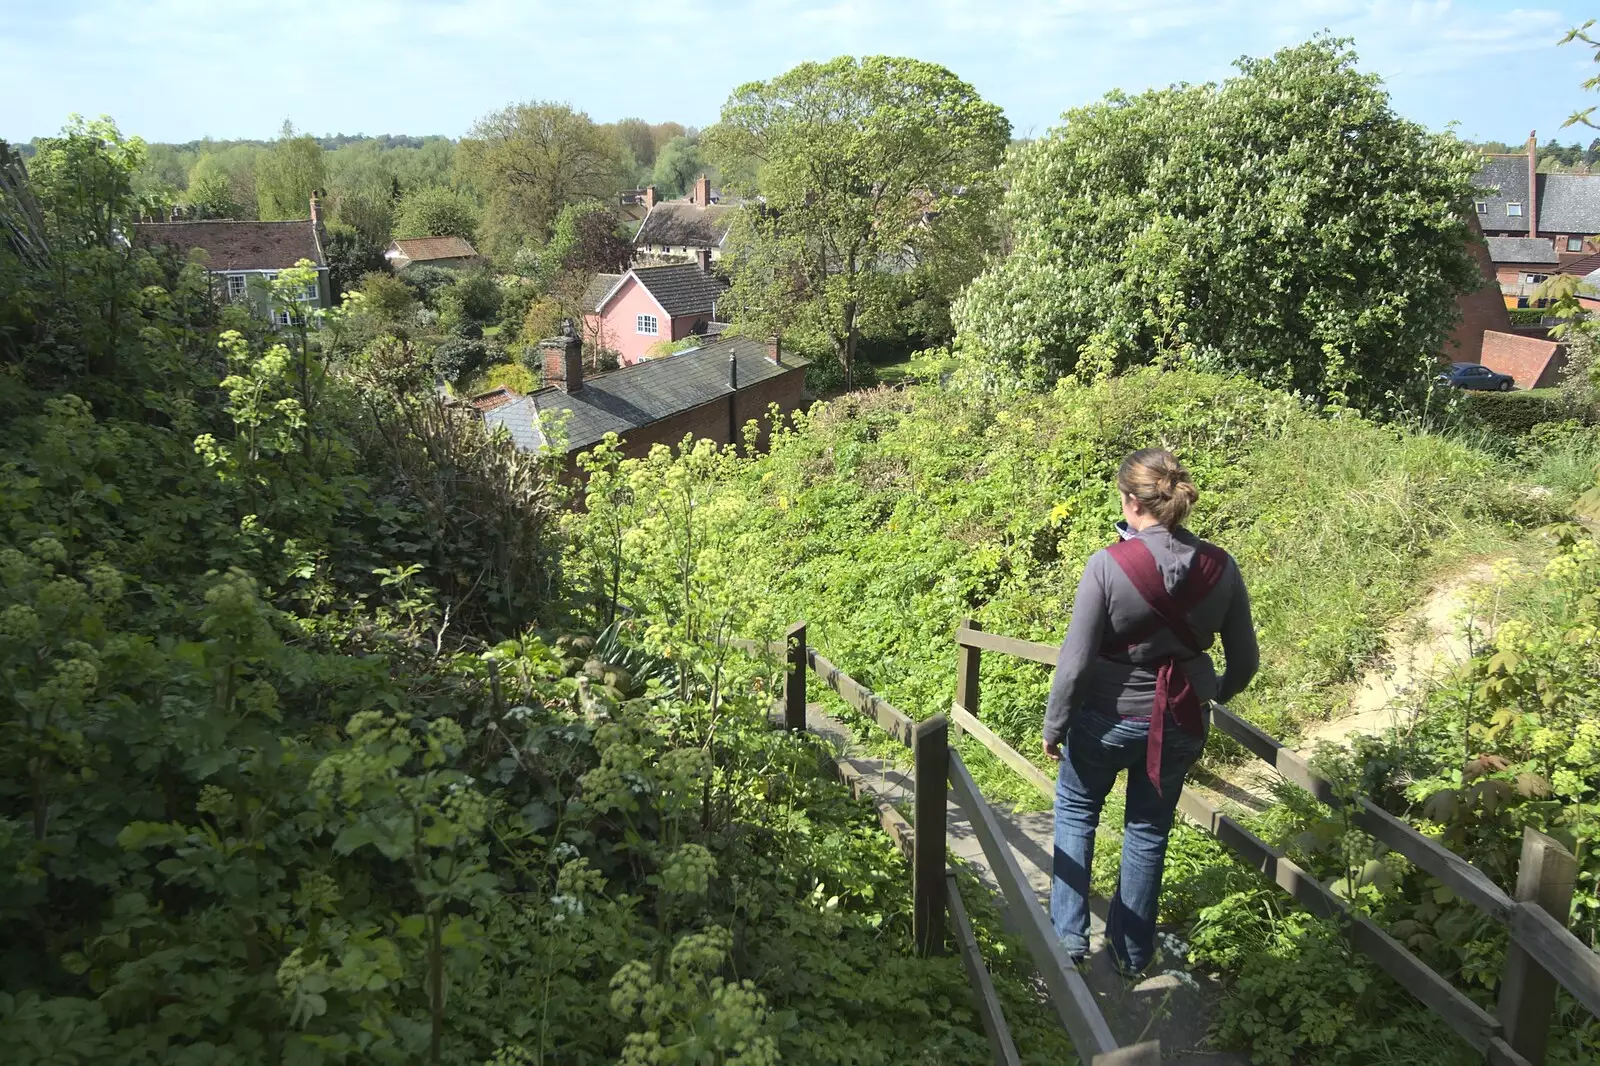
{"x": 496, "y": 397}
{"x": 1581, "y": 267}
{"x": 237, "y": 245}
{"x": 421, "y": 249}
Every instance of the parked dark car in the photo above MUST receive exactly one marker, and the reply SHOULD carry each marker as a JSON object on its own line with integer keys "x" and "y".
{"x": 1476, "y": 376}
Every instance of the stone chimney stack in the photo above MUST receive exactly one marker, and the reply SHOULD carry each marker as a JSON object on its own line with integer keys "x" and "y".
{"x": 562, "y": 357}
{"x": 1533, "y": 183}
{"x": 650, "y": 197}
{"x": 702, "y": 191}
{"x": 703, "y": 257}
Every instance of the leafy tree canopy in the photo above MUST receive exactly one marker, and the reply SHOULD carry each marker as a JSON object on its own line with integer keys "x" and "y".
{"x": 677, "y": 166}
{"x": 287, "y": 175}
{"x": 84, "y": 179}
{"x": 529, "y": 161}
{"x": 871, "y": 171}
{"x": 436, "y": 211}
{"x": 1287, "y": 224}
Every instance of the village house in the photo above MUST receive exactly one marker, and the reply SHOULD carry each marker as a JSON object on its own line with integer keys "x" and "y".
{"x": 1521, "y": 265}
{"x": 1563, "y": 210}
{"x": 708, "y": 393}
{"x": 631, "y": 313}
{"x": 684, "y": 228}
{"x": 242, "y": 257}
{"x": 453, "y": 253}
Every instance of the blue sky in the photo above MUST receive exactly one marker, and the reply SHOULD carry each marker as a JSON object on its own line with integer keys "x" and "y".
{"x": 174, "y": 70}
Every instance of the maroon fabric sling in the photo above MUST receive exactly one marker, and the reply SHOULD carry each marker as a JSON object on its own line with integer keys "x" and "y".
{"x": 1171, "y": 613}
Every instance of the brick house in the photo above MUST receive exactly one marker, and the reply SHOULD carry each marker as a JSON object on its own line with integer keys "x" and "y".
{"x": 1535, "y": 363}
{"x": 708, "y": 393}
{"x": 1563, "y": 210}
{"x": 242, "y": 257}
{"x": 1521, "y": 265}
{"x": 452, "y": 253}
{"x": 630, "y": 313}
{"x": 685, "y": 228}
{"x": 1482, "y": 309}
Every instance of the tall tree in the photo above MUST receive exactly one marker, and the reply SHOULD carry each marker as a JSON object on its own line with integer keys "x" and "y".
{"x": 84, "y": 181}
{"x": 871, "y": 171}
{"x": 678, "y": 164}
{"x": 436, "y": 211}
{"x": 211, "y": 190}
{"x": 636, "y": 139}
{"x": 1286, "y": 224}
{"x": 528, "y": 161}
{"x": 287, "y": 174}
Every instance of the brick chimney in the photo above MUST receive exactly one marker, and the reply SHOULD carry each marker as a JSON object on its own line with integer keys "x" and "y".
{"x": 703, "y": 257}
{"x": 1533, "y": 183}
{"x": 702, "y": 191}
{"x": 650, "y": 196}
{"x": 316, "y": 207}
{"x": 562, "y": 358}
{"x": 775, "y": 349}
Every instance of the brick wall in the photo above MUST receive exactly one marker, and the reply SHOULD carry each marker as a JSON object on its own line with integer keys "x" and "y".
{"x": 1480, "y": 310}
{"x": 1534, "y": 363}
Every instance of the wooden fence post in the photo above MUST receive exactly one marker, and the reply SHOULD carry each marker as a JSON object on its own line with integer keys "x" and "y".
{"x": 794, "y": 684}
{"x": 930, "y": 748}
{"x": 967, "y": 660}
{"x": 1545, "y": 876}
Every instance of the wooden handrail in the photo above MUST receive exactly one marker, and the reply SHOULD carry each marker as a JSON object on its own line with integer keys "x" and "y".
{"x": 1541, "y": 937}
{"x": 1073, "y": 1000}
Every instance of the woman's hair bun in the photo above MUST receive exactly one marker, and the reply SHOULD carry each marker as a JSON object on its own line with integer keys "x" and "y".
{"x": 1155, "y": 478}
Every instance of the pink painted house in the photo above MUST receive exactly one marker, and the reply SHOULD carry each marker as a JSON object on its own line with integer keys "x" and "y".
{"x": 633, "y": 312}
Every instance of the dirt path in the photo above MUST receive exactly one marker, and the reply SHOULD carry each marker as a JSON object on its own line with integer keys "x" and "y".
{"x": 1423, "y": 648}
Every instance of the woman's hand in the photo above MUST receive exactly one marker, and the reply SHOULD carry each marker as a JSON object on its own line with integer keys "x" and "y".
{"x": 1053, "y": 751}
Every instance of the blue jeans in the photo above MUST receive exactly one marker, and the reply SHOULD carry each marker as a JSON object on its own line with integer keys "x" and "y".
{"x": 1097, "y": 748}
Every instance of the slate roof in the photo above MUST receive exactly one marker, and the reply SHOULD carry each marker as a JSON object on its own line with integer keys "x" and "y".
{"x": 237, "y": 245}
{"x": 1521, "y": 250}
{"x": 682, "y": 289}
{"x": 422, "y": 249}
{"x": 598, "y": 288}
{"x": 678, "y": 223}
{"x": 1569, "y": 203}
{"x": 1504, "y": 178}
{"x": 637, "y": 395}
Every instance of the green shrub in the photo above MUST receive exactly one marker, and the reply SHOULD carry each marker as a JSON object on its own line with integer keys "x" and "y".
{"x": 457, "y": 358}
{"x": 1527, "y": 316}
{"x": 1509, "y": 414}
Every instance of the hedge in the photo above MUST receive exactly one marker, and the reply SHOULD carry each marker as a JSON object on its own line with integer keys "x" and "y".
{"x": 1511, "y": 414}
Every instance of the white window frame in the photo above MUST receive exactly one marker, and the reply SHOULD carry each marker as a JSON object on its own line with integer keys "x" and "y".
{"x": 1574, "y": 240}
{"x": 1483, "y": 208}
{"x": 641, "y": 321}
{"x": 238, "y": 285}
{"x": 1514, "y": 209}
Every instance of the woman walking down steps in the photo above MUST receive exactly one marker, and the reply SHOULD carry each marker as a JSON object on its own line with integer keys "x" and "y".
{"x": 1132, "y": 691}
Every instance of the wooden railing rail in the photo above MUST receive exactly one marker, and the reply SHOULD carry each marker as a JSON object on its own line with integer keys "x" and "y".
{"x": 1543, "y": 951}
{"x": 936, "y": 767}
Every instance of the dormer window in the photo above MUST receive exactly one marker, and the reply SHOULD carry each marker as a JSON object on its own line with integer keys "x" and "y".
{"x": 1513, "y": 210}
{"x": 1483, "y": 208}
{"x": 1574, "y": 244}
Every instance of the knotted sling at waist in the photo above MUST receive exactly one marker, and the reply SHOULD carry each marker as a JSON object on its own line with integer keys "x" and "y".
{"x": 1174, "y": 693}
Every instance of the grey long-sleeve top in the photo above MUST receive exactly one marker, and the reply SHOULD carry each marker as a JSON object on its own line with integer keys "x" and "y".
{"x": 1107, "y": 605}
